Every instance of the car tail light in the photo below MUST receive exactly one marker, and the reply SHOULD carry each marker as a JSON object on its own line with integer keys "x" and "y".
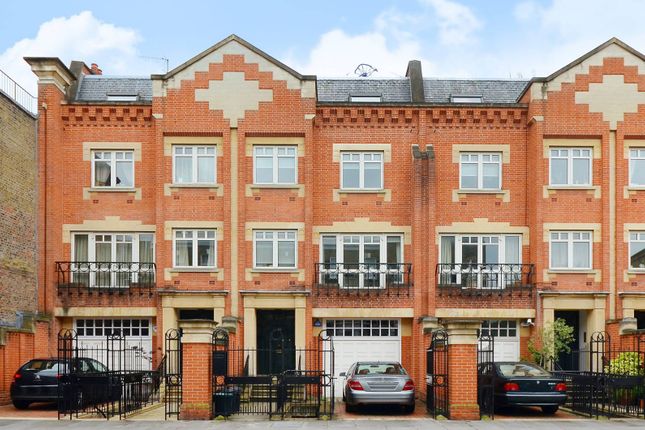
{"x": 561, "y": 387}
{"x": 511, "y": 386}
{"x": 17, "y": 376}
{"x": 409, "y": 385}
{"x": 355, "y": 385}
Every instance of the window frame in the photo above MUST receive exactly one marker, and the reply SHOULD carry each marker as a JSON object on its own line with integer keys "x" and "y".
{"x": 632, "y": 158}
{"x": 629, "y": 248}
{"x": 275, "y": 166}
{"x": 570, "y": 157}
{"x": 195, "y": 242}
{"x": 501, "y": 247}
{"x": 91, "y": 244}
{"x": 480, "y": 170}
{"x": 275, "y": 253}
{"x": 570, "y": 241}
{"x": 361, "y": 170}
{"x": 113, "y": 162}
{"x": 194, "y": 163}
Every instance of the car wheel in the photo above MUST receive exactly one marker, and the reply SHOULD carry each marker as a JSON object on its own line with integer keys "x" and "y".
{"x": 408, "y": 409}
{"x": 550, "y": 410}
{"x": 20, "y": 404}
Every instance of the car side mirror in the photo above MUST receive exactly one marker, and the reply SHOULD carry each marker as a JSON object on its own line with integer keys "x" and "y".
{"x": 343, "y": 374}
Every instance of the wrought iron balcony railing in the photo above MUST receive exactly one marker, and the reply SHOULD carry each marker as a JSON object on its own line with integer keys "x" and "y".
{"x": 477, "y": 279}
{"x": 108, "y": 277}
{"x": 363, "y": 278}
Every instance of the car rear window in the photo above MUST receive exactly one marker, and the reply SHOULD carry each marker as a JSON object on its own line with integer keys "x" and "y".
{"x": 511, "y": 370}
{"x": 38, "y": 365}
{"x": 380, "y": 369}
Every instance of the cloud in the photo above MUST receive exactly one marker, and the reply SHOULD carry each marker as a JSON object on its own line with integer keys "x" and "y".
{"x": 457, "y": 22}
{"x": 78, "y": 37}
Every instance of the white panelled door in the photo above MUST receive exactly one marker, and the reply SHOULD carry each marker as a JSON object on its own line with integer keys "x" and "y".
{"x": 507, "y": 338}
{"x": 362, "y": 340}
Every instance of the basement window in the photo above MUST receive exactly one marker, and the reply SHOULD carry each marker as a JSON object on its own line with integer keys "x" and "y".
{"x": 465, "y": 99}
{"x": 122, "y": 97}
{"x": 365, "y": 99}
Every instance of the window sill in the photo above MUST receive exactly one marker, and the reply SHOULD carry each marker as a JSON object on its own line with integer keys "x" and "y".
{"x": 277, "y": 186}
{"x": 379, "y": 191}
{"x": 194, "y": 270}
{"x": 214, "y": 186}
{"x": 274, "y": 270}
{"x": 636, "y": 188}
{"x": 636, "y": 271}
{"x": 571, "y": 187}
{"x": 571, "y": 271}
{"x": 112, "y": 190}
{"x": 463, "y": 191}
{"x": 505, "y": 195}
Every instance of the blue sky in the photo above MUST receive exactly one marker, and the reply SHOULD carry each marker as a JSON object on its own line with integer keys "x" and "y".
{"x": 452, "y": 38}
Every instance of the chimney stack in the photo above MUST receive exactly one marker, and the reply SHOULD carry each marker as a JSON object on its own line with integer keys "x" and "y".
{"x": 94, "y": 69}
{"x": 416, "y": 81}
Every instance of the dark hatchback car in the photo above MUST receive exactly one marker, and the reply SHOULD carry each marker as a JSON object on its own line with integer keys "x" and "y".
{"x": 523, "y": 384}
{"x": 38, "y": 381}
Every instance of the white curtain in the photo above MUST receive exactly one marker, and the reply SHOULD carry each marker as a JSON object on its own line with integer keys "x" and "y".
{"x": 102, "y": 173}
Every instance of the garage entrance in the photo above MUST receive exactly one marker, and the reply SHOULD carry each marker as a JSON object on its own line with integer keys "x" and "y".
{"x": 506, "y": 337}
{"x": 362, "y": 340}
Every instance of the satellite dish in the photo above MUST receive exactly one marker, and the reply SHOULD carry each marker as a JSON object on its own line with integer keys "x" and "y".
{"x": 364, "y": 70}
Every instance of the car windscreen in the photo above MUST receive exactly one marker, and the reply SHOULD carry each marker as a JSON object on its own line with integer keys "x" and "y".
{"x": 520, "y": 370}
{"x": 379, "y": 369}
{"x": 39, "y": 365}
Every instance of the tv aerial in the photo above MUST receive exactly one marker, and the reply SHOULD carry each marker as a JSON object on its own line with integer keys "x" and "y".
{"x": 364, "y": 70}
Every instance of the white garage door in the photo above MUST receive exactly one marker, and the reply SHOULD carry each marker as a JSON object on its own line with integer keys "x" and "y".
{"x": 93, "y": 341}
{"x": 362, "y": 340}
{"x": 507, "y": 338}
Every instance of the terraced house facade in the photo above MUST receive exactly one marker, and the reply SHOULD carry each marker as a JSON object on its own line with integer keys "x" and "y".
{"x": 237, "y": 190}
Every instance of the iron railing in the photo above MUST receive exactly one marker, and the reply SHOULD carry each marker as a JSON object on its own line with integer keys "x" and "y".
{"x": 18, "y": 94}
{"x": 481, "y": 278}
{"x": 359, "y": 278}
{"x": 107, "y": 277}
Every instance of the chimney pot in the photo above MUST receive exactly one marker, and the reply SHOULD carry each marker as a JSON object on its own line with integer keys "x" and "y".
{"x": 95, "y": 69}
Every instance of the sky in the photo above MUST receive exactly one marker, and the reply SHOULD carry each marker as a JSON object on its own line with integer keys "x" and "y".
{"x": 507, "y": 39}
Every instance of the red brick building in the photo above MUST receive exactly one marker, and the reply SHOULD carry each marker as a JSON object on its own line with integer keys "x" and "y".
{"x": 233, "y": 188}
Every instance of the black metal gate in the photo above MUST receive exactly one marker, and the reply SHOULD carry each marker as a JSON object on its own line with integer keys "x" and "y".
{"x": 486, "y": 376}
{"x": 239, "y": 386}
{"x": 172, "y": 371}
{"x": 437, "y": 375}
{"x": 106, "y": 379}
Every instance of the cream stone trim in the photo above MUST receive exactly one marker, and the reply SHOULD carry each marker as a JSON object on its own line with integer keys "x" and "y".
{"x": 386, "y": 148}
{"x": 595, "y": 144}
{"x": 235, "y": 224}
{"x": 482, "y": 226}
{"x": 629, "y": 227}
{"x": 551, "y": 190}
{"x": 539, "y": 90}
{"x": 252, "y": 190}
{"x": 233, "y": 47}
{"x": 612, "y": 219}
{"x": 571, "y": 226}
{"x": 110, "y": 223}
{"x": 169, "y": 141}
{"x": 549, "y": 274}
{"x": 105, "y": 311}
{"x": 252, "y": 273}
{"x": 168, "y": 189}
{"x": 170, "y": 303}
{"x": 270, "y": 140}
{"x": 591, "y": 302}
{"x": 505, "y": 149}
{"x": 462, "y": 332}
{"x": 90, "y": 193}
{"x": 51, "y": 72}
{"x": 632, "y": 303}
{"x": 504, "y": 195}
{"x": 254, "y": 225}
{"x": 337, "y": 194}
{"x": 362, "y": 225}
{"x": 88, "y": 147}
{"x": 362, "y": 313}
{"x": 464, "y": 313}
{"x": 632, "y": 143}
{"x": 631, "y": 191}
{"x": 170, "y": 272}
{"x": 169, "y": 226}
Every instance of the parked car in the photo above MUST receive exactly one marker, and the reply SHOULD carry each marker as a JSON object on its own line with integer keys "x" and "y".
{"x": 377, "y": 382}
{"x": 523, "y": 384}
{"x": 38, "y": 381}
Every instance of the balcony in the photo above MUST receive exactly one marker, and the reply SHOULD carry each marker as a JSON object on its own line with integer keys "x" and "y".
{"x": 390, "y": 279}
{"x": 105, "y": 277}
{"x": 485, "y": 279}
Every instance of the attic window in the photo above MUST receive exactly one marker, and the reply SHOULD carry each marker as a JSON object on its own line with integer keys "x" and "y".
{"x": 365, "y": 99}
{"x": 122, "y": 97}
{"x": 465, "y": 99}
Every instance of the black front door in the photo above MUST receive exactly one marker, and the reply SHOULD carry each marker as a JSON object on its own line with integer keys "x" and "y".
{"x": 571, "y": 360}
{"x": 275, "y": 341}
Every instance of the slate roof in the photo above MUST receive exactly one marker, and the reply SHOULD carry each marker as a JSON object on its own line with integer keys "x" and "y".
{"x": 96, "y": 88}
{"x": 339, "y": 90}
{"x": 491, "y": 91}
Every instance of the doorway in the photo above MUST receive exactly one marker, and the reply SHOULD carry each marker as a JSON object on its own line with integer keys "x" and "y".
{"x": 571, "y": 360}
{"x": 275, "y": 341}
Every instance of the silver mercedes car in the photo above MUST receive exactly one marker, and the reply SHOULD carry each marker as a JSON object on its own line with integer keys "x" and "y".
{"x": 378, "y": 382}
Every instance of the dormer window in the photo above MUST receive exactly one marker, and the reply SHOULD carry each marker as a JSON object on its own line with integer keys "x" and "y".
{"x": 460, "y": 98}
{"x": 365, "y": 99}
{"x": 122, "y": 97}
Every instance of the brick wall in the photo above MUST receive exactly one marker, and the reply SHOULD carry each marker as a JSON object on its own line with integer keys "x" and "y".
{"x": 18, "y": 264}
